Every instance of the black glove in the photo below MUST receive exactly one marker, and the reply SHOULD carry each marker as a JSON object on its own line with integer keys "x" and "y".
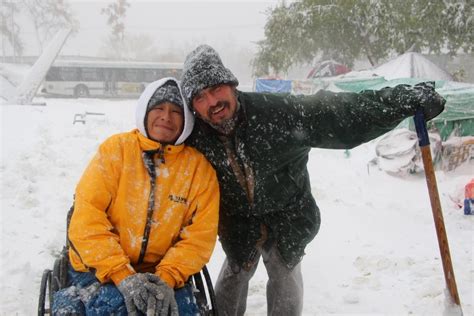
{"x": 148, "y": 294}
{"x": 426, "y": 97}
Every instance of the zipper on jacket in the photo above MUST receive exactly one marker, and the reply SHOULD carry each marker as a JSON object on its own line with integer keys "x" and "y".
{"x": 150, "y": 167}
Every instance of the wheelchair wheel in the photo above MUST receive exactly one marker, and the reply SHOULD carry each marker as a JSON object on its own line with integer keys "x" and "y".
{"x": 205, "y": 296}
{"x": 59, "y": 274}
{"x": 45, "y": 288}
{"x": 210, "y": 289}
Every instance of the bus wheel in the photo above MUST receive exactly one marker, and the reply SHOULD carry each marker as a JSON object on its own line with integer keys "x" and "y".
{"x": 81, "y": 91}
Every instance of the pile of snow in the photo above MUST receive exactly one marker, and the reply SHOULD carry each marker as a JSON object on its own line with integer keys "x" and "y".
{"x": 376, "y": 253}
{"x": 398, "y": 152}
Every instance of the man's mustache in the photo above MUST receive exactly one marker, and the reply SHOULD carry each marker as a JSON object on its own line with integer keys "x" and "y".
{"x": 218, "y": 104}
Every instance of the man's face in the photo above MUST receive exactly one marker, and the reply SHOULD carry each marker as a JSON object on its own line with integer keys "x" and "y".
{"x": 165, "y": 122}
{"x": 216, "y": 104}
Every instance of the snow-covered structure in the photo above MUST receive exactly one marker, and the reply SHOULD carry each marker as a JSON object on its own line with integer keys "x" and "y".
{"x": 412, "y": 65}
{"x": 26, "y": 90}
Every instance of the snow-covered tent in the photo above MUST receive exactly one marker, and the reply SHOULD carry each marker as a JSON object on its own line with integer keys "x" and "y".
{"x": 412, "y": 65}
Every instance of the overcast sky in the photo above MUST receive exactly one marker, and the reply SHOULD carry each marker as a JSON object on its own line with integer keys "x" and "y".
{"x": 232, "y": 27}
{"x": 169, "y": 23}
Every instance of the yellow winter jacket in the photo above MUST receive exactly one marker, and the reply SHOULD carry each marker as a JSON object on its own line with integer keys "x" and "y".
{"x": 106, "y": 230}
{"x": 110, "y": 212}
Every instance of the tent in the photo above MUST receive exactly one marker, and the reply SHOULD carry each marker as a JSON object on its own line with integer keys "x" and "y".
{"x": 412, "y": 65}
{"x": 327, "y": 68}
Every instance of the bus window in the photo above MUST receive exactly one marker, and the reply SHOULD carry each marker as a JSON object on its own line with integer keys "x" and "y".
{"x": 53, "y": 74}
{"x": 70, "y": 74}
{"x": 172, "y": 73}
{"x": 131, "y": 75}
{"x": 91, "y": 74}
{"x": 149, "y": 75}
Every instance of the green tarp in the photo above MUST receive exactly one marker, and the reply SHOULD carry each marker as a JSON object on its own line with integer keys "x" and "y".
{"x": 459, "y": 112}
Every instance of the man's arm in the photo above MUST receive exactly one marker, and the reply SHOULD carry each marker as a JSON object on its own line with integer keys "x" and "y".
{"x": 345, "y": 120}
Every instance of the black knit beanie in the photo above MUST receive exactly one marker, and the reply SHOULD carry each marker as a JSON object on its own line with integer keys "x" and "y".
{"x": 203, "y": 68}
{"x": 168, "y": 92}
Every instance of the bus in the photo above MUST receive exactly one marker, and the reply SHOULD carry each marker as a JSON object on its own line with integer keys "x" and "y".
{"x": 105, "y": 78}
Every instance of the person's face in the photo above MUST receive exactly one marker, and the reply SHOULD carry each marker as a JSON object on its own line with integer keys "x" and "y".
{"x": 216, "y": 104}
{"x": 165, "y": 122}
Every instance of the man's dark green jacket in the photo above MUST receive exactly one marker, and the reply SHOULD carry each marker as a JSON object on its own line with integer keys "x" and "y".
{"x": 274, "y": 136}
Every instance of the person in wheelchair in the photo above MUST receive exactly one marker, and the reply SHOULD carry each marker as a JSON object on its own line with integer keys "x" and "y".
{"x": 145, "y": 216}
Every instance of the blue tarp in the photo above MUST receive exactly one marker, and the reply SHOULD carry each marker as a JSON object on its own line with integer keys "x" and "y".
{"x": 273, "y": 86}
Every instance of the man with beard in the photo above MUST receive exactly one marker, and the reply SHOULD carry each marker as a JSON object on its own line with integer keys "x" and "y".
{"x": 259, "y": 144}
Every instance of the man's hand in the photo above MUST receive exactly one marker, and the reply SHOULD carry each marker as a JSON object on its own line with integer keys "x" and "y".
{"x": 148, "y": 294}
{"x": 427, "y": 98}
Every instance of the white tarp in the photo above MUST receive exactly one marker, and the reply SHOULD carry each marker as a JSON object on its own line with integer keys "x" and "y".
{"x": 412, "y": 65}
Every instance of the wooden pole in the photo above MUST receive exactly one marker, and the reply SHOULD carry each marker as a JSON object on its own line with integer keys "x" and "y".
{"x": 436, "y": 206}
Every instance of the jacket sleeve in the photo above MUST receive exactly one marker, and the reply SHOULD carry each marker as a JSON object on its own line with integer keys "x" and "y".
{"x": 90, "y": 232}
{"x": 198, "y": 237}
{"x": 345, "y": 120}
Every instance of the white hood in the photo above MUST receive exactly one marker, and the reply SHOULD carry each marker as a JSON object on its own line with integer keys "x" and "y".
{"x": 143, "y": 103}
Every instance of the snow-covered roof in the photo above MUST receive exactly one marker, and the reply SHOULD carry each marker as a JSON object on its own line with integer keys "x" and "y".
{"x": 412, "y": 65}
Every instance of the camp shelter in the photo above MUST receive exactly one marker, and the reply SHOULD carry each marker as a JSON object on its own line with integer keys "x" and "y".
{"x": 412, "y": 65}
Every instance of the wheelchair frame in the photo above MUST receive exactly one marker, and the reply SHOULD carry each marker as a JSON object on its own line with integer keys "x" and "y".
{"x": 56, "y": 279}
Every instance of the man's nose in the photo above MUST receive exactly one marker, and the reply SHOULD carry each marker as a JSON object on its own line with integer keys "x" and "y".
{"x": 211, "y": 100}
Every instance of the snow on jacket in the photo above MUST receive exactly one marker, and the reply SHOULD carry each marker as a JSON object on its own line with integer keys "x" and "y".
{"x": 274, "y": 136}
{"x": 112, "y": 214}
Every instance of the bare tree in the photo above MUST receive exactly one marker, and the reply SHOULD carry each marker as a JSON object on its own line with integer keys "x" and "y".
{"x": 116, "y": 13}
{"x": 49, "y": 16}
{"x": 115, "y": 44}
{"x": 132, "y": 47}
{"x": 9, "y": 29}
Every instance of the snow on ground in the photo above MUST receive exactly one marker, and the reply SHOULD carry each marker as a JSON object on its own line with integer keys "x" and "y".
{"x": 376, "y": 252}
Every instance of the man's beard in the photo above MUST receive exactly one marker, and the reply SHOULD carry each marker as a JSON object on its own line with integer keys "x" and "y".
{"x": 226, "y": 127}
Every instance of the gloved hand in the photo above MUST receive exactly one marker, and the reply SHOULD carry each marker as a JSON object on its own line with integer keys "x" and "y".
{"x": 88, "y": 292}
{"x": 427, "y": 98}
{"x": 148, "y": 294}
{"x": 165, "y": 301}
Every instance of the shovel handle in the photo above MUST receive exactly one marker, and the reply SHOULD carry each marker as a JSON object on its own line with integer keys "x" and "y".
{"x": 424, "y": 143}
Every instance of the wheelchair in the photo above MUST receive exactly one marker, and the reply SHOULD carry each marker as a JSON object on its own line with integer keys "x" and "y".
{"x": 55, "y": 279}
